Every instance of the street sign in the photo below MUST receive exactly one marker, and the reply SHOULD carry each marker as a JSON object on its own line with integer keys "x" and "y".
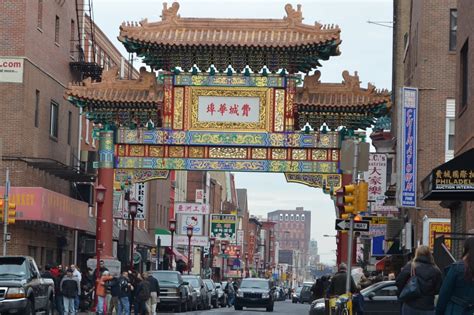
{"x": 359, "y": 226}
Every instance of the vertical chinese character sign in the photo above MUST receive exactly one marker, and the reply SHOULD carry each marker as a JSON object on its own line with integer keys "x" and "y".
{"x": 376, "y": 177}
{"x": 409, "y": 147}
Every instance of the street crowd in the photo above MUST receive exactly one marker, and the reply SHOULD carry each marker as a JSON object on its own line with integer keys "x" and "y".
{"x": 423, "y": 288}
{"x": 76, "y": 291}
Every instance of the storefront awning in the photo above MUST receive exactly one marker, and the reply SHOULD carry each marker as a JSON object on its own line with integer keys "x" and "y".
{"x": 380, "y": 265}
{"x": 178, "y": 256}
{"x": 453, "y": 180}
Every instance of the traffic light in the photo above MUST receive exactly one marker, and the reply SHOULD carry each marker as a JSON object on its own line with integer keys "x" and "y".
{"x": 350, "y": 198}
{"x": 362, "y": 196}
{"x": 11, "y": 211}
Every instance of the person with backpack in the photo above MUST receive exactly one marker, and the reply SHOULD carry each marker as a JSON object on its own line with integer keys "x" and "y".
{"x": 70, "y": 287}
{"x": 428, "y": 280}
{"x": 457, "y": 292}
{"x": 124, "y": 294}
{"x": 142, "y": 295}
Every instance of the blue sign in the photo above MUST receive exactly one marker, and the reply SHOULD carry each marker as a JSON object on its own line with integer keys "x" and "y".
{"x": 409, "y": 147}
{"x": 377, "y": 246}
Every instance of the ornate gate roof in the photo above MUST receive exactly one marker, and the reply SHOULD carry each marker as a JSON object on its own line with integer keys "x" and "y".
{"x": 277, "y": 43}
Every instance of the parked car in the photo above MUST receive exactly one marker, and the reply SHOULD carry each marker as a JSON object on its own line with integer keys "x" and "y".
{"x": 221, "y": 296}
{"x": 379, "y": 298}
{"x": 305, "y": 294}
{"x": 172, "y": 289}
{"x": 211, "y": 287}
{"x": 255, "y": 292}
{"x": 22, "y": 289}
{"x": 203, "y": 295}
{"x": 192, "y": 304}
{"x": 295, "y": 297}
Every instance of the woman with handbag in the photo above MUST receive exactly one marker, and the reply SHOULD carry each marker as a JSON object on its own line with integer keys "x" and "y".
{"x": 457, "y": 293}
{"x": 418, "y": 283}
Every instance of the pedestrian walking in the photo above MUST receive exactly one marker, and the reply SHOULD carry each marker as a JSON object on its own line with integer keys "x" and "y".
{"x": 101, "y": 292}
{"x": 154, "y": 292}
{"x": 317, "y": 289}
{"x": 142, "y": 295}
{"x": 124, "y": 294}
{"x": 77, "y": 274}
{"x": 114, "y": 286}
{"x": 58, "y": 298}
{"x": 70, "y": 288}
{"x": 338, "y": 282}
{"x": 429, "y": 282}
{"x": 229, "y": 290}
{"x": 457, "y": 292}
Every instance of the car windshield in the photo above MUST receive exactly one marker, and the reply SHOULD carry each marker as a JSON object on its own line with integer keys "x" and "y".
{"x": 166, "y": 277}
{"x": 193, "y": 281}
{"x": 298, "y": 289}
{"x": 13, "y": 267}
{"x": 254, "y": 284}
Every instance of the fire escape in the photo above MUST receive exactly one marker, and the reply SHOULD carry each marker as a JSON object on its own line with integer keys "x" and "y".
{"x": 83, "y": 48}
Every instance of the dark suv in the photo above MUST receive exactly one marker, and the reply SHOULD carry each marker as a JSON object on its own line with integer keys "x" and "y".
{"x": 172, "y": 290}
{"x": 255, "y": 292}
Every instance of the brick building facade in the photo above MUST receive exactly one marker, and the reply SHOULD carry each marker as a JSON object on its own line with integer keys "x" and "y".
{"x": 424, "y": 58}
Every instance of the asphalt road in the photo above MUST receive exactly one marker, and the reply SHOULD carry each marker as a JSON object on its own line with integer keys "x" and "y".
{"x": 285, "y": 307}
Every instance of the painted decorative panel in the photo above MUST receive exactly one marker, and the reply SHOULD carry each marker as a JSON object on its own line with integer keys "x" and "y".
{"x": 319, "y": 155}
{"x": 279, "y": 120}
{"x": 279, "y": 154}
{"x": 228, "y": 153}
{"x": 298, "y": 154}
{"x": 196, "y": 152}
{"x": 178, "y": 108}
{"x": 259, "y": 153}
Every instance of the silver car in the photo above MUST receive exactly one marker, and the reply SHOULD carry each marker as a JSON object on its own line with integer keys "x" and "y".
{"x": 204, "y": 296}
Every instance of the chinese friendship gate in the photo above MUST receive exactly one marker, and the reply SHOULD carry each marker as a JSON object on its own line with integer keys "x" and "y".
{"x": 230, "y": 96}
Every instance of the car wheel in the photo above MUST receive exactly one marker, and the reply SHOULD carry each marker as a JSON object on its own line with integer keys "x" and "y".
{"x": 238, "y": 307}
{"x": 178, "y": 308}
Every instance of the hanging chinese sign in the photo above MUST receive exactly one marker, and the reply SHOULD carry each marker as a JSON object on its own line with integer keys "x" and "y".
{"x": 191, "y": 208}
{"x": 409, "y": 147}
{"x": 223, "y": 227}
{"x": 376, "y": 177}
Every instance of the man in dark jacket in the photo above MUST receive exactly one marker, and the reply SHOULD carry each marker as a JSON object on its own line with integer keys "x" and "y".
{"x": 338, "y": 282}
{"x": 124, "y": 294}
{"x": 154, "y": 292}
{"x": 142, "y": 295}
{"x": 70, "y": 288}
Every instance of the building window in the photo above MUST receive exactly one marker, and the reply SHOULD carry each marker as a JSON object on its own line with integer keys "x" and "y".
{"x": 302, "y": 217}
{"x": 297, "y": 217}
{"x": 286, "y": 217}
{"x": 464, "y": 74}
{"x": 69, "y": 122}
{"x": 453, "y": 27}
{"x": 56, "y": 30}
{"x": 71, "y": 44}
{"x": 451, "y": 134}
{"x": 292, "y": 217}
{"x": 53, "y": 119}
{"x": 37, "y": 105}
{"x": 39, "y": 22}
{"x": 281, "y": 217}
{"x": 87, "y": 131}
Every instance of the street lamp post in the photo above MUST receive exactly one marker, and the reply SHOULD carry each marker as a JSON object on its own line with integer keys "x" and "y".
{"x": 189, "y": 233}
{"x": 100, "y": 198}
{"x": 246, "y": 264}
{"x": 172, "y": 228}
{"x": 132, "y": 212}
{"x": 223, "y": 248}
{"x": 212, "y": 243}
{"x": 257, "y": 267}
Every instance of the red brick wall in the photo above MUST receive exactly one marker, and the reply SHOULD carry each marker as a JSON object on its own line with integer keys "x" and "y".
{"x": 430, "y": 66}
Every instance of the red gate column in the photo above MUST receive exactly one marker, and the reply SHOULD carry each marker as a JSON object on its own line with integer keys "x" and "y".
{"x": 106, "y": 179}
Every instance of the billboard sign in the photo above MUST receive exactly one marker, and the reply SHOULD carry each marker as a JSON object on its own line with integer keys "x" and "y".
{"x": 11, "y": 70}
{"x": 191, "y": 208}
{"x": 376, "y": 177}
{"x": 229, "y": 109}
{"x": 223, "y": 227}
{"x": 195, "y": 240}
{"x": 409, "y": 147}
{"x": 194, "y": 220}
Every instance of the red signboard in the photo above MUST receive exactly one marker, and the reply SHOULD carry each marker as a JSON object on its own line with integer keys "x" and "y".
{"x": 39, "y": 204}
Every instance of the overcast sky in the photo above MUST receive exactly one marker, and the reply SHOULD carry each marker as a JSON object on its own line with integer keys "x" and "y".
{"x": 366, "y": 48}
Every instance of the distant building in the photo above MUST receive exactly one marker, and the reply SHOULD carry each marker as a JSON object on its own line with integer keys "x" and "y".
{"x": 313, "y": 253}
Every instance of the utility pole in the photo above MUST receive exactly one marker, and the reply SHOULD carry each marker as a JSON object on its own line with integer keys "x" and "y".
{"x": 351, "y": 218}
{"x": 5, "y": 212}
